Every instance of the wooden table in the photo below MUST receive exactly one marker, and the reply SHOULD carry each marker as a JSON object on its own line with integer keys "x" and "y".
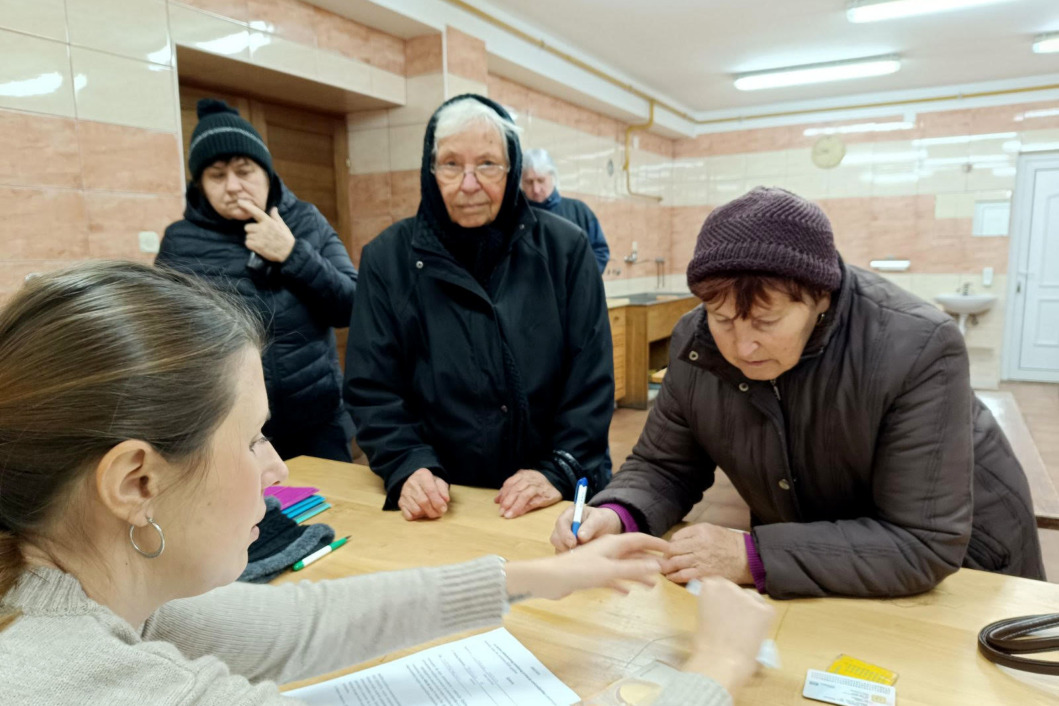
{"x": 591, "y": 639}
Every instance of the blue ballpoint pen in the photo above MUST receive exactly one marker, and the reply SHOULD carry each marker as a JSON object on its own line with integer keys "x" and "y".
{"x": 579, "y": 504}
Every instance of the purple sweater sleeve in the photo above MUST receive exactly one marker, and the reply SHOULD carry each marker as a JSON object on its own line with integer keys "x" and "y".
{"x": 628, "y": 524}
{"x": 757, "y": 568}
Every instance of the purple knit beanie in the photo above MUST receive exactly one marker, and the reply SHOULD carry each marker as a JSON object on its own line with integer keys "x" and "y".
{"x": 770, "y": 231}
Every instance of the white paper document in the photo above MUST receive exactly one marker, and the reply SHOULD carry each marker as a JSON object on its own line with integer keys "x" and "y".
{"x": 491, "y": 669}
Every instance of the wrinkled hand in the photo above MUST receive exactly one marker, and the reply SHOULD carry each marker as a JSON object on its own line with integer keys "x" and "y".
{"x": 595, "y": 522}
{"x": 525, "y": 491}
{"x": 424, "y": 495}
{"x": 733, "y": 622}
{"x": 611, "y": 562}
{"x": 268, "y": 235}
{"x": 702, "y": 550}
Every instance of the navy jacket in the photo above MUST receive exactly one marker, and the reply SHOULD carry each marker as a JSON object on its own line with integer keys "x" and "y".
{"x": 300, "y": 301}
{"x": 579, "y": 213}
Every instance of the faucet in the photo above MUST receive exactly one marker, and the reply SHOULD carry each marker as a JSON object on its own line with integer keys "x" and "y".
{"x": 633, "y": 257}
{"x": 964, "y": 289}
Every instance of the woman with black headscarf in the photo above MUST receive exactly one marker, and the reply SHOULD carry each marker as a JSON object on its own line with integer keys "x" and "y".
{"x": 479, "y": 349}
{"x": 245, "y": 232}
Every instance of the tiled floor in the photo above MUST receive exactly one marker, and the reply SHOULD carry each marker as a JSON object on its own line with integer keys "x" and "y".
{"x": 1039, "y": 403}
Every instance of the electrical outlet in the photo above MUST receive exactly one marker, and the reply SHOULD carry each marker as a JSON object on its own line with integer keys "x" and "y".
{"x": 149, "y": 241}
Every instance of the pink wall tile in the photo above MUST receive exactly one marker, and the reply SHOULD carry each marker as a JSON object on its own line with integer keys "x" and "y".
{"x": 364, "y": 230}
{"x": 43, "y": 224}
{"x": 386, "y": 52}
{"x": 370, "y": 194}
{"x": 118, "y": 158}
{"x": 466, "y": 55}
{"x": 13, "y": 273}
{"x": 287, "y": 18}
{"x": 341, "y": 35}
{"x": 423, "y": 55}
{"x": 116, "y": 219}
{"x": 38, "y": 150}
{"x": 404, "y": 193}
{"x": 233, "y": 9}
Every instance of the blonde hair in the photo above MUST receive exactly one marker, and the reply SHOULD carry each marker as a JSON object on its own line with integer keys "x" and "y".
{"x": 97, "y": 354}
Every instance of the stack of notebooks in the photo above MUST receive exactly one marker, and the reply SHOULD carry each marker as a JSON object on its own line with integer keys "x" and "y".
{"x": 299, "y": 504}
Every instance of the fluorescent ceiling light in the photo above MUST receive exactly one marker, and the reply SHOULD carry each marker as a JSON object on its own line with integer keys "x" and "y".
{"x": 818, "y": 73}
{"x": 1046, "y": 43}
{"x": 876, "y": 10}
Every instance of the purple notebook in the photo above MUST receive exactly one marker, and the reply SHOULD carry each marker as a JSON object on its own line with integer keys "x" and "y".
{"x": 288, "y": 495}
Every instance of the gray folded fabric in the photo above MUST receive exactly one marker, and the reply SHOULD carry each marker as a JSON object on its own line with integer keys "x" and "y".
{"x": 281, "y": 543}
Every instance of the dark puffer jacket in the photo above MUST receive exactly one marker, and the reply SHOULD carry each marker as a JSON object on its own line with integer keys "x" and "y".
{"x": 300, "y": 301}
{"x": 477, "y": 380}
{"x": 870, "y": 468}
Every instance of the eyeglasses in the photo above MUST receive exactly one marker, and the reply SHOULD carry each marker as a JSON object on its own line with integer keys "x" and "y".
{"x": 485, "y": 172}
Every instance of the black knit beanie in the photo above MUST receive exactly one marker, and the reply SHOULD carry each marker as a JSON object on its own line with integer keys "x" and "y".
{"x": 222, "y": 134}
{"x": 768, "y": 231}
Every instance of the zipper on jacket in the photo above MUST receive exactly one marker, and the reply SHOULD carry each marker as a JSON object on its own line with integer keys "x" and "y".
{"x": 776, "y": 389}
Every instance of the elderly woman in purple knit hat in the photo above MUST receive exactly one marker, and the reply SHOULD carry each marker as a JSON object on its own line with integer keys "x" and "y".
{"x": 839, "y": 405}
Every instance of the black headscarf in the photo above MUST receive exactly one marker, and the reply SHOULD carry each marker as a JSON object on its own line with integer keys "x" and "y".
{"x": 479, "y": 249}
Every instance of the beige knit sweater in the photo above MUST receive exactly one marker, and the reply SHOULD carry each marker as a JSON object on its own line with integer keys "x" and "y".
{"x": 231, "y": 646}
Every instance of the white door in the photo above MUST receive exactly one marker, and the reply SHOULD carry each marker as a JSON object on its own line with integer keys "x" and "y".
{"x": 1033, "y": 350}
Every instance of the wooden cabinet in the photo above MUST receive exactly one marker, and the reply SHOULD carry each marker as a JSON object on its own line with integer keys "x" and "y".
{"x": 617, "y": 332}
{"x": 647, "y": 328}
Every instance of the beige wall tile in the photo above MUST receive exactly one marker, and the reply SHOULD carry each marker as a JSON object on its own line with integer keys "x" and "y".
{"x": 342, "y": 71}
{"x": 369, "y": 194}
{"x": 43, "y": 18}
{"x": 423, "y": 96}
{"x": 232, "y": 9}
{"x": 119, "y": 158}
{"x": 205, "y": 32}
{"x": 465, "y": 55}
{"x": 369, "y": 151}
{"x": 43, "y": 224}
{"x": 35, "y": 75}
{"x": 458, "y": 85}
{"x": 132, "y": 28}
{"x": 406, "y": 147}
{"x": 114, "y": 89}
{"x": 281, "y": 54}
{"x": 367, "y": 120}
{"x": 388, "y": 86}
{"x": 38, "y": 150}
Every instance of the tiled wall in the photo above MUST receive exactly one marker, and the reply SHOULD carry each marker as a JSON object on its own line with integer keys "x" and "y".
{"x": 589, "y": 150}
{"x": 907, "y": 188}
{"x": 90, "y": 137}
{"x": 89, "y": 119}
{"x": 386, "y": 146}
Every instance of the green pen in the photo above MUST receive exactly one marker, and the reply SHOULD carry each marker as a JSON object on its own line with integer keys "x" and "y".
{"x": 320, "y": 553}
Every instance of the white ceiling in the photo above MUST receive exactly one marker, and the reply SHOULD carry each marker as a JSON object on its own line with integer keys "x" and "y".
{"x": 688, "y": 50}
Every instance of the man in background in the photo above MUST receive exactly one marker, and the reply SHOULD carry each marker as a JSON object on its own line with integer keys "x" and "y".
{"x": 540, "y": 182}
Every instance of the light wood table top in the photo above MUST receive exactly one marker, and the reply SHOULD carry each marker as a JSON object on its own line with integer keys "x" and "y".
{"x": 594, "y": 638}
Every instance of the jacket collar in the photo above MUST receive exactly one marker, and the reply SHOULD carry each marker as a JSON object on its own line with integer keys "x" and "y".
{"x": 442, "y": 265}
{"x": 701, "y": 349}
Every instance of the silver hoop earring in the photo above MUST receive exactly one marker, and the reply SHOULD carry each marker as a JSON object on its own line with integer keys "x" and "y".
{"x": 161, "y": 538}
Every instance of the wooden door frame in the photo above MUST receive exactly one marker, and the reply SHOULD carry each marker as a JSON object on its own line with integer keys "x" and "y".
{"x": 259, "y": 112}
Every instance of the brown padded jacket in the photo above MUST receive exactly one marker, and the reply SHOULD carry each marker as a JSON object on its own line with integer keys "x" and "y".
{"x": 870, "y": 468}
